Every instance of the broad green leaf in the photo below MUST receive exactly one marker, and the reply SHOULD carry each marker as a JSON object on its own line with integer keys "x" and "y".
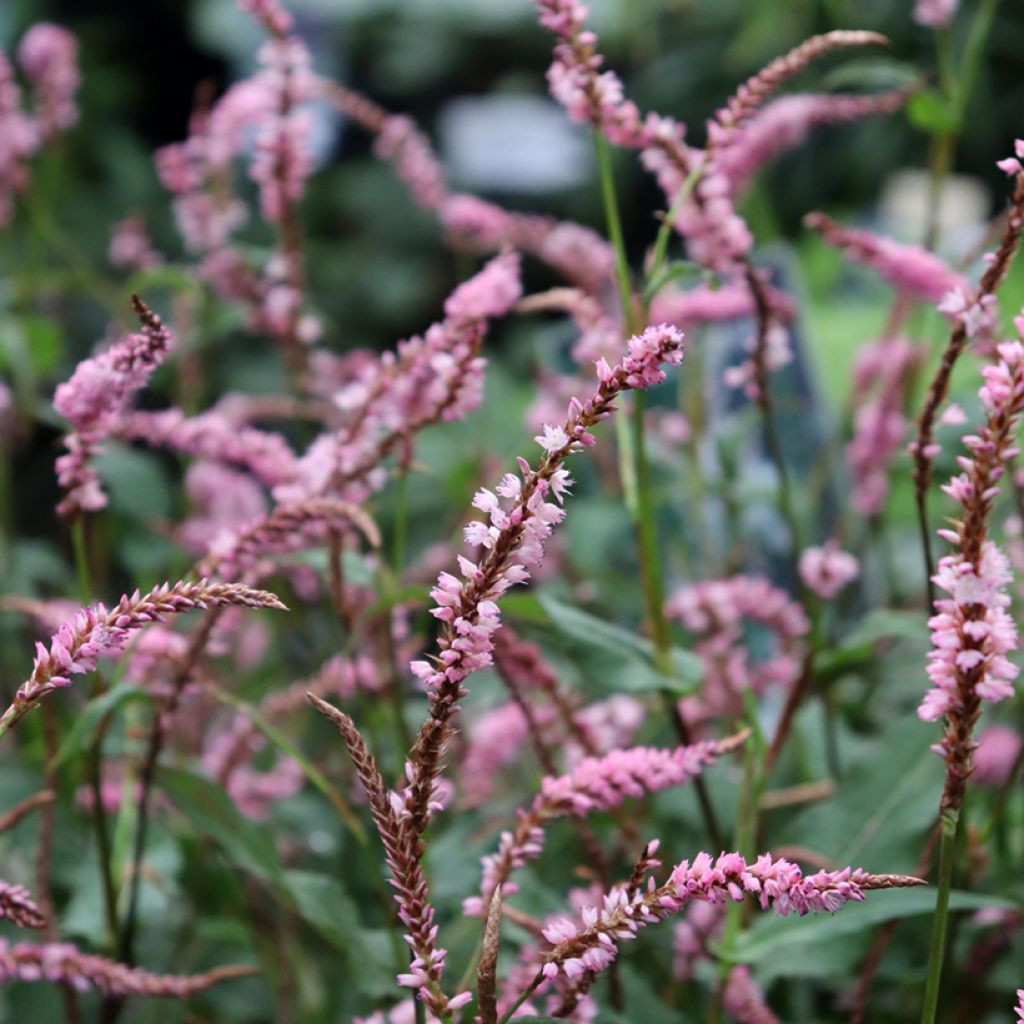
{"x": 622, "y": 660}
{"x": 771, "y": 933}
{"x": 210, "y": 811}
{"x": 325, "y": 905}
{"x": 88, "y": 721}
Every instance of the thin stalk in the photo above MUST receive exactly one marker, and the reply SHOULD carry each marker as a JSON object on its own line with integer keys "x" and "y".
{"x": 640, "y": 502}
{"x": 660, "y": 250}
{"x": 936, "y": 955}
{"x": 398, "y": 540}
{"x": 94, "y": 755}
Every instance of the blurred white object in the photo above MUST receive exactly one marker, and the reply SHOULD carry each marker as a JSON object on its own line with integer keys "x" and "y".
{"x": 512, "y": 144}
{"x": 963, "y": 208}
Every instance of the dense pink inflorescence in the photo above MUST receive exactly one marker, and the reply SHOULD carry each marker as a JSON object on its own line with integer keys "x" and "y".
{"x": 972, "y": 630}
{"x": 828, "y": 569}
{"x": 785, "y": 123}
{"x": 92, "y": 399}
{"x": 1020, "y": 1004}
{"x": 131, "y": 247}
{"x": 717, "y": 610}
{"x": 592, "y": 944}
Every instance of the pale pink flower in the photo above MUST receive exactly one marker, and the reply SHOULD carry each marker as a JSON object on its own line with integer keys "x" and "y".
{"x": 935, "y": 13}
{"x": 130, "y": 246}
{"x": 998, "y": 749}
{"x": 48, "y": 54}
{"x": 828, "y": 569}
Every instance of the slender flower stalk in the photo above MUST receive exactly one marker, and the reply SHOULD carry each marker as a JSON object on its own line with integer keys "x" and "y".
{"x": 972, "y": 631}
{"x": 407, "y": 877}
{"x": 57, "y": 962}
{"x": 970, "y": 313}
{"x": 513, "y": 541}
{"x": 776, "y": 884}
{"x": 97, "y": 632}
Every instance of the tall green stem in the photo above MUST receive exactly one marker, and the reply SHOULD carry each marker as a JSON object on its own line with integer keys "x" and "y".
{"x": 937, "y": 953}
{"x": 636, "y": 479}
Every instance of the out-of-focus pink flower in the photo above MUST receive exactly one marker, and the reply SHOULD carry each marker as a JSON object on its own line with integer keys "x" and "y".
{"x": 828, "y": 569}
{"x": 130, "y": 246}
{"x": 935, "y": 13}
{"x": 908, "y": 268}
{"x": 717, "y": 611}
{"x": 19, "y": 138}
{"x": 48, "y": 54}
{"x": 998, "y": 749}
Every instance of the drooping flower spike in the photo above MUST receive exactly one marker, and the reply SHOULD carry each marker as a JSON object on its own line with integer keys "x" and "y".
{"x": 774, "y": 883}
{"x": 96, "y": 632}
{"x": 62, "y": 962}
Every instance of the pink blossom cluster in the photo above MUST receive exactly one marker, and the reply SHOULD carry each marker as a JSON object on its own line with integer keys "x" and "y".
{"x": 910, "y": 269}
{"x": 18, "y": 907}
{"x": 882, "y": 376}
{"x": 436, "y": 377}
{"x": 1020, "y": 1004}
{"x": 826, "y": 570}
{"x": 972, "y": 631}
{"x": 594, "y": 784}
{"x": 282, "y": 157}
{"x": 592, "y": 945}
{"x": 215, "y": 436}
{"x": 48, "y": 54}
{"x": 91, "y": 400}
{"x": 588, "y": 94}
{"x": 717, "y": 610}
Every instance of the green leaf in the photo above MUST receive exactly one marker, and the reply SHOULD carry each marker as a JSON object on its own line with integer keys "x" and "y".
{"x": 247, "y": 844}
{"x": 89, "y": 719}
{"x": 617, "y": 658}
{"x": 770, "y": 933}
{"x": 932, "y": 113}
{"x": 871, "y": 73}
{"x": 861, "y": 645}
{"x": 325, "y": 905}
